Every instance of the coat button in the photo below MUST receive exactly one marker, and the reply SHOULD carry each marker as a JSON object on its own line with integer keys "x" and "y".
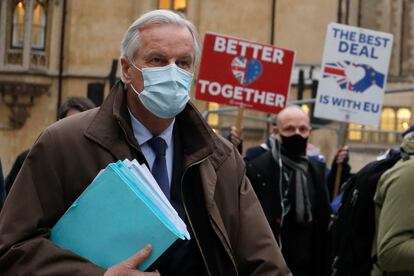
{"x": 258, "y": 175}
{"x": 263, "y": 184}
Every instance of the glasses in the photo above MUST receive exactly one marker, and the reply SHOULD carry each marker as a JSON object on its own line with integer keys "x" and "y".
{"x": 291, "y": 130}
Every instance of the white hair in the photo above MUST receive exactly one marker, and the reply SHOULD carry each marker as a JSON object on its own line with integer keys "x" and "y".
{"x": 131, "y": 41}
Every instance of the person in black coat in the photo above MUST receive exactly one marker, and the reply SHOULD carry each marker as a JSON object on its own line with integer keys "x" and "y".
{"x": 256, "y": 151}
{"x": 292, "y": 191}
{"x": 341, "y": 157}
{"x": 15, "y": 170}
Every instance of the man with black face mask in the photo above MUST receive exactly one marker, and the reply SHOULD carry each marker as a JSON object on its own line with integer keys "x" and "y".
{"x": 291, "y": 188}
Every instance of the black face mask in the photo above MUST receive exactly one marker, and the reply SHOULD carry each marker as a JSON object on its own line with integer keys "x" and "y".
{"x": 294, "y": 145}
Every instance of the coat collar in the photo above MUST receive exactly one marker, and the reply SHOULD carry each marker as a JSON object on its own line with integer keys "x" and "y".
{"x": 110, "y": 128}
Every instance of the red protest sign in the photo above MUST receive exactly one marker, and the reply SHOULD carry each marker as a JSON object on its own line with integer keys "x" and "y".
{"x": 244, "y": 73}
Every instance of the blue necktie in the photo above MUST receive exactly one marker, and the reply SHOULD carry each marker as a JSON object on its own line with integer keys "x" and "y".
{"x": 159, "y": 168}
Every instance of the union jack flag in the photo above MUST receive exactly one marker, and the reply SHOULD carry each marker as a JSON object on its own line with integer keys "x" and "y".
{"x": 337, "y": 71}
{"x": 246, "y": 71}
{"x": 370, "y": 76}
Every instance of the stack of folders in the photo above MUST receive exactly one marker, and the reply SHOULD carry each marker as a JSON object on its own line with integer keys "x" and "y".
{"x": 120, "y": 212}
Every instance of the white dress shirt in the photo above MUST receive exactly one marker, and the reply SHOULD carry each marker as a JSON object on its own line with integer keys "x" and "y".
{"x": 142, "y": 134}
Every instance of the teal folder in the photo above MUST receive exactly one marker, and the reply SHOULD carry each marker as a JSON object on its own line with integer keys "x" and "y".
{"x": 116, "y": 216}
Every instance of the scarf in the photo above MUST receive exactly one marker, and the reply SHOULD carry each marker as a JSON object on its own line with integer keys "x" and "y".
{"x": 299, "y": 165}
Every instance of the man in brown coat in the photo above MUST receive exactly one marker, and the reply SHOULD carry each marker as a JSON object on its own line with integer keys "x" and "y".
{"x": 206, "y": 176}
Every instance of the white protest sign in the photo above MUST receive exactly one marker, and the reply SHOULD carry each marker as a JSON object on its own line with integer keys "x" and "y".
{"x": 354, "y": 74}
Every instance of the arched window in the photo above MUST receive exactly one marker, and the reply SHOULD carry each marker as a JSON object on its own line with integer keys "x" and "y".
{"x": 355, "y": 133}
{"x": 371, "y": 134}
{"x": 403, "y": 119}
{"x": 388, "y": 123}
{"x": 213, "y": 118}
{"x": 18, "y": 25}
{"x": 176, "y": 5}
{"x": 38, "y": 27}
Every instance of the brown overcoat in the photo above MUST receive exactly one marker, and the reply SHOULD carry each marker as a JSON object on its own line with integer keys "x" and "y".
{"x": 69, "y": 154}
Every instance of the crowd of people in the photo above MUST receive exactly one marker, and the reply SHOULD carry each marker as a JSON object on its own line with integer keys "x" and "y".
{"x": 264, "y": 214}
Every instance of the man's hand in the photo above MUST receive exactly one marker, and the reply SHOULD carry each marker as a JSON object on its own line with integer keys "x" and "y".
{"x": 342, "y": 155}
{"x": 129, "y": 266}
{"x": 236, "y": 136}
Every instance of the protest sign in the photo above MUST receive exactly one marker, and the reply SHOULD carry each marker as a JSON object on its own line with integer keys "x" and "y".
{"x": 244, "y": 73}
{"x": 354, "y": 73}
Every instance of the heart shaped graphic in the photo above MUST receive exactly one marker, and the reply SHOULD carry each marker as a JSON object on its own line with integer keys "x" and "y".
{"x": 246, "y": 71}
{"x": 354, "y": 74}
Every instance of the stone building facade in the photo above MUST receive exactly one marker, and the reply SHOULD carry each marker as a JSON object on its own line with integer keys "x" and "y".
{"x": 53, "y": 49}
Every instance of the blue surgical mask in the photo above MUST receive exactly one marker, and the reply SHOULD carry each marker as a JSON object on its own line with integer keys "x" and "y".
{"x": 166, "y": 90}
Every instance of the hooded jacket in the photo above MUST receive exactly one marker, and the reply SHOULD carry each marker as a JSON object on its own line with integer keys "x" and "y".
{"x": 220, "y": 204}
{"x": 394, "y": 207}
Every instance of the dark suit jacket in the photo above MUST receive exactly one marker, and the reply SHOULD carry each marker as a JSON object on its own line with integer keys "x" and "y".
{"x": 253, "y": 152}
